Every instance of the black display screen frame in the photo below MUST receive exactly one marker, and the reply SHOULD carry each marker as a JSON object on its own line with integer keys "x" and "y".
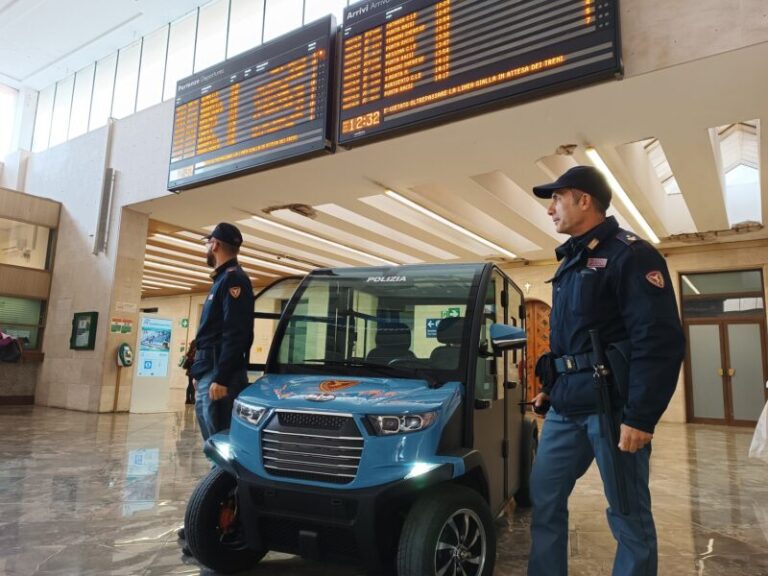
{"x": 366, "y": 16}
{"x": 315, "y": 137}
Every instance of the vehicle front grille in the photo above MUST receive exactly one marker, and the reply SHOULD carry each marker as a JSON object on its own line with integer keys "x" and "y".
{"x": 312, "y": 446}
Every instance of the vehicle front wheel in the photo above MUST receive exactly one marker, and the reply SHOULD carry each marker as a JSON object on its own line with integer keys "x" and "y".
{"x": 212, "y": 527}
{"x": 448, "y": 532}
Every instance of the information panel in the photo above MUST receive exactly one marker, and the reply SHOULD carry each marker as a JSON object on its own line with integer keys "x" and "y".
{"x": 154, "y": 347}
{"x": 265, "y": 106}
{"x": 407, "y": 62}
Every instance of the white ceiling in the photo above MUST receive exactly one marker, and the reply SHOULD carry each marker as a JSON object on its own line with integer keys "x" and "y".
{"x": 479, "y": 173}
{"x": 476, "y": 172}
{"x": 43, "y": 41}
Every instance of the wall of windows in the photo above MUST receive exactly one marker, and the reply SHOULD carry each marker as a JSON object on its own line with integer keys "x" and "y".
{"x": 145, "y": 73}
{"x": 8, "y": 97}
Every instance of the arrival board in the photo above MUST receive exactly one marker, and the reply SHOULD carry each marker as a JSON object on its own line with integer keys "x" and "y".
{"x": 410, "y": 62}
{"x": 267, "y": 105}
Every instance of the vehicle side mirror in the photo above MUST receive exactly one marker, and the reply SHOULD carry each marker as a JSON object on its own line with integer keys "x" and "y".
{"x": 506, "y": 337}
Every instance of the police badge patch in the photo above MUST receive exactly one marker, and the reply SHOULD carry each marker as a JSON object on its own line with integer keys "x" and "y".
{"x": 656, "y": 278}
{"x": 235, "y": 291}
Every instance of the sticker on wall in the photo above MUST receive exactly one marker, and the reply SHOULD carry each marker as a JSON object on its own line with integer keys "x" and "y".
{"x": 121, "y": 325}
{"x": 185, "y": 322}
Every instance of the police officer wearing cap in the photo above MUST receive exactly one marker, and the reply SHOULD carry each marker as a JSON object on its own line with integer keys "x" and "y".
{"x": 225, "y": 334}
{"x": 611, "y": 281}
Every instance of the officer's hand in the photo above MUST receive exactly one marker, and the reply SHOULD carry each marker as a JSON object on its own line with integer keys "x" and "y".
{"x": 217, "y": 391}
{"x": 541, "y": 403}
{"x": 194, "y": 383}
{"x": 633, "y": 439}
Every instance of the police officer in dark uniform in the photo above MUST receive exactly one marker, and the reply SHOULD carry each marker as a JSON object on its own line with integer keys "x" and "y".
{"x": 611, "y": 281}
{"x": 225, "y": 334}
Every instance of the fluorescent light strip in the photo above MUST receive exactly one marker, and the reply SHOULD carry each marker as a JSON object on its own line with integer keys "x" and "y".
{"x": 690, "y": 285}
{"x": 278, "y": 267}
{"x": 168, "y": 276}
{"x": 277, "y": 258}
{"x": 196, "y": 246}
{"x": 176, "y": 269}
{"x": 595, "y": 158}
{"x": 446, "y": 222}
{"x": 176, "y": 253}
{"x": 180, "y": 281}
{"x": 200, "y": 269}
{"x": 322, "y": 240}
{"x": 165, "y": 284}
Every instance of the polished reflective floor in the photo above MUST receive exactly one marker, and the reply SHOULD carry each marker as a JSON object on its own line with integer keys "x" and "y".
{"x": 104, "y": 494}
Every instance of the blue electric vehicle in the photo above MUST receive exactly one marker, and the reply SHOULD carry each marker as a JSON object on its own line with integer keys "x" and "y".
{"x": 388, "y": 427}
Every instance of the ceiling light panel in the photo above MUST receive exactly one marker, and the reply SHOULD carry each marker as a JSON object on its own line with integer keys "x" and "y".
{"x": 621, "y": 194}
{"x": 361, "y": 221}
{"x": 394, "y": 209}
{"x": 285, "y": 251}
{"x": 346, "y": 238}
{"x": 353, "y": 253}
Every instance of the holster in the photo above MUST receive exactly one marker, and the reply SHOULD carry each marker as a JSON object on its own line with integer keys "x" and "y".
{"x": 618, "y": 354}
{"x": 545, "y": 371}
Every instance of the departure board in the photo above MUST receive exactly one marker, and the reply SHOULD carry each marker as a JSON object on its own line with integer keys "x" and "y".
{"x": 410, "y": 62}
{"x": 267, "y": 105}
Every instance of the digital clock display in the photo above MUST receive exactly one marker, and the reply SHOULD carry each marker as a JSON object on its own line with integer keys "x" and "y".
{"x": 262, "y": 107}
{"x": 405, "y": 63}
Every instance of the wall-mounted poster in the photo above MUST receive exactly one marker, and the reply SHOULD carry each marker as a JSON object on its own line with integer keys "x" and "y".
{"x": 83, "y": 335}
{"x": 154, "y": 347}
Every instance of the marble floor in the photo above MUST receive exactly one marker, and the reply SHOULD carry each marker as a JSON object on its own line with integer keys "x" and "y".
{"x": 88, "y": 494}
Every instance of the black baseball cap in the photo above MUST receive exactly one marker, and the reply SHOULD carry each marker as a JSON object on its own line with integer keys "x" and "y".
{"x": 585, "y": 178}
{"x": 226, "y": 232}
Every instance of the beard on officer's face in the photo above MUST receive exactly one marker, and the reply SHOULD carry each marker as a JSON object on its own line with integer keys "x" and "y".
{"x": 209, "y": 259}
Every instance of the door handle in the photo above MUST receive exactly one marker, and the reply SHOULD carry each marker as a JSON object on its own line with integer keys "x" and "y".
{"x": 720, "y": 372}
{"x": 731, "y": 371}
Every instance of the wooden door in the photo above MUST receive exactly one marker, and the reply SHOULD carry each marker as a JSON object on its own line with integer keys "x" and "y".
{"x": 537, "y": 327}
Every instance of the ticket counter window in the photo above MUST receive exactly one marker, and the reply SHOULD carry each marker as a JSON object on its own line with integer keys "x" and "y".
{"x": 24, "y": 245}
{"x": 22, "y": 318}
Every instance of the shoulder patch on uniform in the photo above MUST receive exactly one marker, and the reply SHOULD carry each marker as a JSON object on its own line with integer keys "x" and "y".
{"x": 627, "y": 237}
{"x": 656, "y": 278}
{"x": 235, "y": 291}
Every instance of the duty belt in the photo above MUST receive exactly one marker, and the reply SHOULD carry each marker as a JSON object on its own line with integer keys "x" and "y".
{"x": 205, "y": 354}
{"x": 576, "y": 363}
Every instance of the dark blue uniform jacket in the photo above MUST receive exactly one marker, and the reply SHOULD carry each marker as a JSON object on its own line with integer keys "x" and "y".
{"x": 614, "y": 282}
{"x": 225, "y": 334}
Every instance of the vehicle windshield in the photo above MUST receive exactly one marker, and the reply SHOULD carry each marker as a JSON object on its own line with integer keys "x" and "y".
{"x": 402, "y": 322}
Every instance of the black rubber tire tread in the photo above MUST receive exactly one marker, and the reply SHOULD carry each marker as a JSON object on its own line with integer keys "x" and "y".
{"x": 200, "y": 526}
{"x": 418, "y": 539}
{"x": 528, "y": 450}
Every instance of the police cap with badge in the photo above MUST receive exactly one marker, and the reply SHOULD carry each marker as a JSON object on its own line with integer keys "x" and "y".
{"x": 585, "y": 178}
{"x": 227, "y": 233}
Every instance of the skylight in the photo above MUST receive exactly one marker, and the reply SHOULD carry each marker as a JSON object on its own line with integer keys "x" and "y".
{"x": 739, "y": 147}
{"x": 661, "y": 166}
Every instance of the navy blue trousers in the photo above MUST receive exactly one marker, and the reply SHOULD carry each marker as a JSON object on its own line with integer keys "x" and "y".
{"x": 566, "y": 449}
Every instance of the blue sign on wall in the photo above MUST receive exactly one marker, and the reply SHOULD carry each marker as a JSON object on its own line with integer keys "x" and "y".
{"x": 432, "y": 327}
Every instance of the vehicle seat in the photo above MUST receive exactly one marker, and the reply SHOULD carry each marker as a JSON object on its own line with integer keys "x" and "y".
{"x": 450, "y": 332}
{"x": 393, "y": 340}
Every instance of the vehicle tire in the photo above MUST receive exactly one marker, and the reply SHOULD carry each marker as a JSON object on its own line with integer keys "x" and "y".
{"x": 447, "y": 529}
{"x": 528, "y": 448}
{"x": 213, "y": 531}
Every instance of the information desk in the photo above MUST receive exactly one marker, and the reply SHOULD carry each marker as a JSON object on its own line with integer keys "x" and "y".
{"x": 409, "y": 62}
{"x": 265, "y": 106}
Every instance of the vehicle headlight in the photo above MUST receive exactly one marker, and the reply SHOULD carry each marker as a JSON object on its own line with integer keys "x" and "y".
{"x": 251, "y": 413}
{"x": 400, "y": 424}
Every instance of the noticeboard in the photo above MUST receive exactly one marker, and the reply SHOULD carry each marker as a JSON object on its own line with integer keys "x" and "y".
{"x": 406, "y": 63}
{"x": 265, "y": 106}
